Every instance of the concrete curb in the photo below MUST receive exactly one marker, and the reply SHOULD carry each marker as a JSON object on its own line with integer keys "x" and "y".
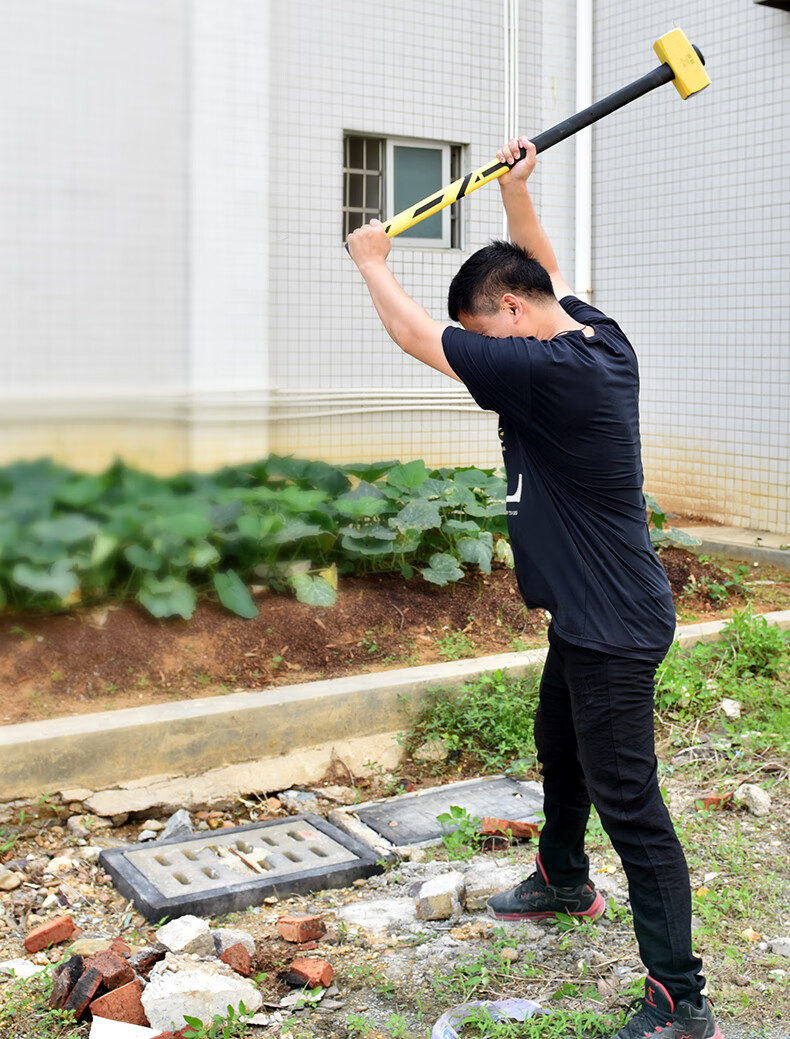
{"x": 273, "y": 738}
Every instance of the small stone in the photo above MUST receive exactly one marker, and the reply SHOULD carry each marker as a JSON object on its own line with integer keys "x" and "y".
{"x": 75, "y": 794}
{"x": 86, "y": 825}
{"x": 780, "y": 946}
{"x": 731, "y": 708}
{"x": 154, "y": 824}
{"x": 431, "y": 751}
{"x": 147, "y": 835}
{"x": 757, "y": 800}
{"x": 238, "y": 959}
{"x": 509, "y": 955}
{"x": 10, "y": 881}
{"x": 187, "y": 934}
{"x": 178, "y": 827}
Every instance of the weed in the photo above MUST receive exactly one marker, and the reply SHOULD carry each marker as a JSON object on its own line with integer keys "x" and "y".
{"x": 490, "y": 719}
{"x": 358, "y": 1024}
{"x": 397, "y": 1026}
{"x": 460, "y": 833}
{"x": 234, "y": 1026}
{"x": 454, "y": 645}
{"x": 25, "y": 1012}
{"x": 7, "y": 842}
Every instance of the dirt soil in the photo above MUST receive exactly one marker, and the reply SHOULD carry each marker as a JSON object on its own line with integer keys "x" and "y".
{"x": 116, "y": 655}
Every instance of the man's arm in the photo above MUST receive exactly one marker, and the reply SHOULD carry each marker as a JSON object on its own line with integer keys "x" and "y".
{"x": 411, "y": 327}
{"x": 525, "y": 228}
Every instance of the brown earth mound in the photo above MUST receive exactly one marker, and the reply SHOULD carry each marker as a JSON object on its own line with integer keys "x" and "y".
{"x": 117, "y": 656}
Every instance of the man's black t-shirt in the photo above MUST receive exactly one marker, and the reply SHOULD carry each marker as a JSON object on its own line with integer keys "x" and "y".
{"x": 569, "y": 427}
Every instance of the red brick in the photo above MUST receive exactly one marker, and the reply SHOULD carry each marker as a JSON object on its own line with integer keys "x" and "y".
{"x": 51, "y": 933}
{"x": 316, "y": 973}
{"x": 122, "y": 1004}
{"x": 121, "y": 947}
{"x": 83, "y": 992}
{"x": 64, "y": 978}
{"x": 301, "y": 927}
{"x": 114, "y": 971}
{"x": 237, "y": 957}
{"x": 490, "y": 827}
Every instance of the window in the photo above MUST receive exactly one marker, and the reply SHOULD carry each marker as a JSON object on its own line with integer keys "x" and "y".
{"x": 384, "y": 176}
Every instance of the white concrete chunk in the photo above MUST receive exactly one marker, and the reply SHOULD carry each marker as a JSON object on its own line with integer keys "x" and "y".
{"x": 179, "y": 986}
{"x": 441, "y": 897}
{"x": 780, "y": 946}
{"x": 225, "y": 937}
{"x": 757, "y": 800}
{"x": 104, "y": 1028}
{"x": 185, "y": 935}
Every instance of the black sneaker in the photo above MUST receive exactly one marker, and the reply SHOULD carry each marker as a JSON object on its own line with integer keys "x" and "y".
{"x": 659, "y": 1016}
{"x": 535, "y": 899}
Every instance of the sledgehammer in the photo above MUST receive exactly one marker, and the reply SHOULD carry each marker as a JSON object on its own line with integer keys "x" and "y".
{"x": 682, "y": 64}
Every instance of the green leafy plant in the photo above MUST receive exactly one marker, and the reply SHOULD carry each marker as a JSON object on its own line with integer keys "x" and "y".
{"x": 490, "y": 719}
{"x": 291, "y": 524}
{"x": 233, "y": 1026}
{"x": 460, "y": 833}
{"x": 25, "y": 1012}
{"x": 663, "y": 536}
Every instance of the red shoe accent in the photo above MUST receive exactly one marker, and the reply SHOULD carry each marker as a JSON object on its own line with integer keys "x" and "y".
{"x": 539, "y": 864}
{"x": 650, "y": 992}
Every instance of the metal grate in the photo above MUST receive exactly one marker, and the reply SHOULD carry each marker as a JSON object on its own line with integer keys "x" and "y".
{"x": 228, "y": 870}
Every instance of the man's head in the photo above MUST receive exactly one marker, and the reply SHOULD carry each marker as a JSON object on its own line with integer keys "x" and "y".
{"x": 494, "y": 284}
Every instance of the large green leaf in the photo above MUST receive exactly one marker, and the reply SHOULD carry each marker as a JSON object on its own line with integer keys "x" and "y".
{"x": 444, "y": 568}
{"x": 366, "y": 548}
{"x": 371, "y": 471}
{"x": 295, "y": 530}
{"x": 167, "y": 597}
{"x": 59, "y": 579}
{"x": 103, "y": 547}
{"x": 81, "y": 491}
{"x": 409, "y": 476}
{"x": 476, "y": 550}
{"x": 361, "y": 508}
{"x": 454, "y": 526}
{"x": 234, "y": 594}
{"x": 187, "y": 524}
{"x": 420, "y": 514}
{"x": 315, "y": 591}
{"x": 143, "y": 558}
{"x": 68, "y": 529}
{"x": 202, "y": 554}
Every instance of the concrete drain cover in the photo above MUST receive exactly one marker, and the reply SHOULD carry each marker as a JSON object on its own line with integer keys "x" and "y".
{"x": 411, "y": 819}
{"x": 228, "y": 870}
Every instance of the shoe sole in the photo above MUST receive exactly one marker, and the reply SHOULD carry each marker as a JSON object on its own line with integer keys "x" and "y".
{"x": 594, "y": 911}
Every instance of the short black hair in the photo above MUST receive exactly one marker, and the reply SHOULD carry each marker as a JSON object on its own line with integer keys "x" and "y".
{"x": 491, "y": 272}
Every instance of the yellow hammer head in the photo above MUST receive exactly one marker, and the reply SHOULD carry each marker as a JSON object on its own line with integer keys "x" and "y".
{"x": 674, "y": 49}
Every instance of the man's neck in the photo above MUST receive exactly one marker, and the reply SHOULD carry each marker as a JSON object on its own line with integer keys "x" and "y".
{"x": 553, "y": 321}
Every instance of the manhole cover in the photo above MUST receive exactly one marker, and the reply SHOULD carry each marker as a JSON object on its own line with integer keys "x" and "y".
{"x": 411, "y": 819}
{"x": 229, "y": 870}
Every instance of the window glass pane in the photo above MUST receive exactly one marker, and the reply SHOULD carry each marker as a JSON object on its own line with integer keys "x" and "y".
{"x": 372, "y": 154}
{"x": 372, "y": 191}
{"x": 356, "y": 152}
{"x": 353, "y": 221}
{"x": 416, "y": 173}
{"x": 354, "y": 187}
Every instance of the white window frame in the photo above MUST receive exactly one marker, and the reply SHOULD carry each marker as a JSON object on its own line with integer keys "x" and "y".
{"x": 389, "y": 190}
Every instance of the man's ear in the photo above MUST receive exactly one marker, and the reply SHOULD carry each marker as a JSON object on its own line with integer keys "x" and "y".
{"x": 512, "y": 304}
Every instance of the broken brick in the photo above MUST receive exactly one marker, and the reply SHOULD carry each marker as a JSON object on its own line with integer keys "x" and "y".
{"x": 145, "y": 959}
{"x": 114, "y": 971}
{"x": 314, "y": 973}
{"x": 64, "y": 978}
{"x": 121, "y": 947}
{"x": 83, "y": 992}
{"x": 301, "y": 927}
{"x": 122, "y": 1004}
{"x": 51, "y": 933}
{"x": 491, "y": 827}
{"x": 238, "y": 959}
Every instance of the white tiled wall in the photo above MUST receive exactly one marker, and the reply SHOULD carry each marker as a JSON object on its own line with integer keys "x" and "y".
{"x": 92, "y": 166}
{"x": 692, "y": 253}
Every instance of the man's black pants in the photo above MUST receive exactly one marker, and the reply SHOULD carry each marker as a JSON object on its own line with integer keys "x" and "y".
{"x": 595, "y": 741}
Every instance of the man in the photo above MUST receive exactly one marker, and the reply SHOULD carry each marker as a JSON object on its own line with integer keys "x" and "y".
{"x": 564, "y": 380}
